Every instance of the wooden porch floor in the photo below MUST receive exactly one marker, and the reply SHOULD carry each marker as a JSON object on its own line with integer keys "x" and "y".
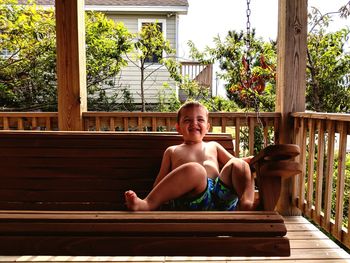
{"x": 308, "y": 244}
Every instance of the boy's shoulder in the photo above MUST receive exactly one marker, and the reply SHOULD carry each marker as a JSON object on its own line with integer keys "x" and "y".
{"x": 172, "y": 148}
{"x": 212, "y": 143}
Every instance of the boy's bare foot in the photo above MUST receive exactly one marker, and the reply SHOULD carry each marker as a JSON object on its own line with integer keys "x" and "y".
{"x": 134, "y": 203}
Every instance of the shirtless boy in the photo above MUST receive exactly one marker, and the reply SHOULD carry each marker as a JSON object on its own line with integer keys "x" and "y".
{"x": 190, "y": 176}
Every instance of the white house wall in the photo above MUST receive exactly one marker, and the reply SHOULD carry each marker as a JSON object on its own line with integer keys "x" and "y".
{"x": 130, "y": 75}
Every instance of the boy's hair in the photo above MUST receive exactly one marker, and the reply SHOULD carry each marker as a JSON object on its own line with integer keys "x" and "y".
{"x": 188, "y": 105}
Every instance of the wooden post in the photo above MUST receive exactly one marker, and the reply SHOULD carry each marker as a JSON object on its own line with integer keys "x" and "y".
{"x": 71, "y": 65}
{"x": 291, "y": 80}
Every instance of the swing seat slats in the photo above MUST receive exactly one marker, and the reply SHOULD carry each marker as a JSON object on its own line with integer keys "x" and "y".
{"x": 61, "y": 193}
{"x": 143, "y": 233}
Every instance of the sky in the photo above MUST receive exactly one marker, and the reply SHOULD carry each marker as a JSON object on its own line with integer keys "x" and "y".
{"x": 208, "y": 18}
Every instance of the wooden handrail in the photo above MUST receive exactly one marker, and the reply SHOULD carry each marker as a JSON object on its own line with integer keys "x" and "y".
{"x": 319, "y": 193}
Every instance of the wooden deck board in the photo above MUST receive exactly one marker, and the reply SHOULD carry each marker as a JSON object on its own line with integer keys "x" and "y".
{"x": 308, "y": 244}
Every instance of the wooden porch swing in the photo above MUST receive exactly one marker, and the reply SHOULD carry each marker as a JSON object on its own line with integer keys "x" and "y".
{"x": 61, "y": 193}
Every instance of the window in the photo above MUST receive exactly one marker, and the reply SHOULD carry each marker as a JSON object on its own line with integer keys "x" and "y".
{"x": 161, "y": 25}
{"x": 5, "y": 53}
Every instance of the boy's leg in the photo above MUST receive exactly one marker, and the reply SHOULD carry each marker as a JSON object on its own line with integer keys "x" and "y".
{"x": 236, "y": 174}
{"x": 190, "y": 178}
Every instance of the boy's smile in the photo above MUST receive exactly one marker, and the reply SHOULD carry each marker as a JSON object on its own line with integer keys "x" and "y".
{"x": 193, "y": 124}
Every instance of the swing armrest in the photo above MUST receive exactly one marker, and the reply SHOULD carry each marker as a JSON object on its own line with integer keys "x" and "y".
{"x": 272, "y": 164}
{"x": 278, "y": 152}
{"x": 284, "y": 168}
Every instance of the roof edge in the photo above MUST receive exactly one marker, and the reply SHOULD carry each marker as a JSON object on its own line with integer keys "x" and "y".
{"x": 182, "y": 10}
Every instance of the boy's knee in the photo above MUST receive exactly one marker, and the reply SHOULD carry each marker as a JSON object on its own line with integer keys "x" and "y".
{"x": 195, "y": 169}
{"x": 246, "y": 205}
{"x": 196, "y": 176}
{"x": 242, "y": 170}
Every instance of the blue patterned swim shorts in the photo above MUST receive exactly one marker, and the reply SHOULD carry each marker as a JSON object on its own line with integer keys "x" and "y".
{"x": 216, "y": 197}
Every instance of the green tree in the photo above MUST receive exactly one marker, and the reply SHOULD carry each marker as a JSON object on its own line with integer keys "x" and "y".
{"x": 151, "y": 49}
{"x": 328, "y": 65}
{"x": 250, "y": 75}
{"x": 27, "y": 35}
{"x": 28, "y": 72}
{"x": 106, "y": 43}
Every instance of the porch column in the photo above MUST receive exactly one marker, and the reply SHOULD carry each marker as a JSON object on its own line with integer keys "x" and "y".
{"x": 71, "y": 66}
{"x": 291, "y": 80}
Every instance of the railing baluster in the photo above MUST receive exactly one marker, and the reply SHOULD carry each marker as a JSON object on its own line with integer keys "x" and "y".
{"x": 48, "y": 124}
{"x": 251, "y": 135}
{"x": 126, "y": 123}
{"x": 319, "y": 170}
{"x": 277, "y": 130}
{"x": 340, "y": 181}
{"x": 34, "y": 123}
{"x": 20, "y": 123}
{"x": 211, "y": 126}
{"x": 97, "y": 123}
{"x": 223, "y": 124}
{"x": 329, "y": 175}
{"x": 133, "y": 123}
{"x": 154, "y": 124}
{"x": 266, "y": 131}
{"x": 303, "y": 133}
{"x": 168, "y": 124}
{"x": 310, "y": 188}
{"x": 111, "y": 124}
{"x": 237, "y": 136}
{"x": 140, "y": 123}
{"x": 296, "y": 179}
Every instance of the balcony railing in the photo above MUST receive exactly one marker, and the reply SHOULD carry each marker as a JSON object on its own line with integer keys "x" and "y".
{"x": 203, "y": 74}
{"x": 320, "y": 190}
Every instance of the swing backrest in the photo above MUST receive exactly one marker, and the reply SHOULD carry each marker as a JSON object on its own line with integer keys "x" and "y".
{"x": 81, "y": 170}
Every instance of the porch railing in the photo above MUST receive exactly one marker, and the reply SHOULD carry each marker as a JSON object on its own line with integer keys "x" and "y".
{"x": 241, "y": 125}
{"x": 322, "y": 190}
{"x": 29, "y": 121}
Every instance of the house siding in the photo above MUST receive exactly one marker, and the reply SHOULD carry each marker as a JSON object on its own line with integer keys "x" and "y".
{"x": 130, "y": 76}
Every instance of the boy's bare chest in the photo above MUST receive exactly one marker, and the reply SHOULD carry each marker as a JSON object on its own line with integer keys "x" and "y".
{"x": 204, "y": 156}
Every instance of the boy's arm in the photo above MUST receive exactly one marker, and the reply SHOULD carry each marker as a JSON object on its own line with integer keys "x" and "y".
{"x": 224, "y": 156}
{"x": 165, "y": 167}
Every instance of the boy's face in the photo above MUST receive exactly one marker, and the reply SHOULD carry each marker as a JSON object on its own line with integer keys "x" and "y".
{"x": 193, "y": 124}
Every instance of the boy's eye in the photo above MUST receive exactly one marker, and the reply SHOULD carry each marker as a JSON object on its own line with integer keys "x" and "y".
{"x": 201, "y": 120}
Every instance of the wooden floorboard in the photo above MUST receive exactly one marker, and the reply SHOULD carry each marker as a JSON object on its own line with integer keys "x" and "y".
{"x": 308, "y": 245}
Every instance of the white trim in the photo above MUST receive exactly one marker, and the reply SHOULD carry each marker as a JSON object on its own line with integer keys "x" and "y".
{"x": 172, "y": 9}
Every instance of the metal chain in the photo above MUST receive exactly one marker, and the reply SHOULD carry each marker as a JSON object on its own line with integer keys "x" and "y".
{"x": 249, "y": 61}
{"x": 248, "y": 40}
